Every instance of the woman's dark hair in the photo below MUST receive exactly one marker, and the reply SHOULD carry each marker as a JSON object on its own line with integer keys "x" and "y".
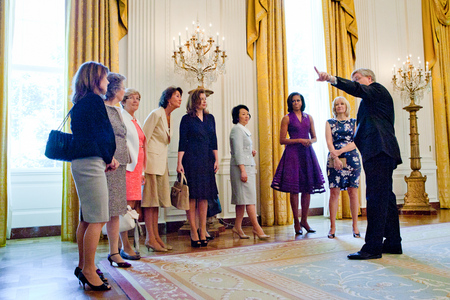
{"x": 289, "y": 101}
{"x": 194, "y": 102}
{"x": 235, "y": 112}
{"x": 167, "y": 94}
{"x": 114, "y": 85}
{"x": 87, "y": 79}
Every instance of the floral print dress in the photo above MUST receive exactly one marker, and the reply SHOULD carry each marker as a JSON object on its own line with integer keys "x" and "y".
{"x": 342, "y": 133}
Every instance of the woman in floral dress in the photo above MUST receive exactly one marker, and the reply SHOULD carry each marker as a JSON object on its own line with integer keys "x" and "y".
{"x": 344, "y": 164}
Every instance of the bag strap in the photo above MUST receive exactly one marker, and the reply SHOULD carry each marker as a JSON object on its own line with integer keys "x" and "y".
{"x": 65, "y": 120}
{"x": 182, "y": 179}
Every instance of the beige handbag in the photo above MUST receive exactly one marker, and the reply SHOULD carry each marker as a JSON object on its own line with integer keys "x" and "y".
{"x": 331, "y": 162}
{"x": 180, "y": 193}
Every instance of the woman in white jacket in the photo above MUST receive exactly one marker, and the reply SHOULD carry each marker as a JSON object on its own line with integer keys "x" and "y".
{"x": 136, "y": 143}
{"x": 243, "y": 173}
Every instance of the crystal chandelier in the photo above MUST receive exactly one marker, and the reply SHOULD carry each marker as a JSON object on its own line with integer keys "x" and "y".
{"x": 200, "y": 59}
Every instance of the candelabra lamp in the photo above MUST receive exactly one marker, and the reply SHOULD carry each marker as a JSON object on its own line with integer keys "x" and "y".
{"x": 201, "y": 59}
{"x": 411, "y": 82}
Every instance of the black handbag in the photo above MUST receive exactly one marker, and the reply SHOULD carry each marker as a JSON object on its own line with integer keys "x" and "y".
{"x": 214, "y": 207}
{"x": 59, "y": 143}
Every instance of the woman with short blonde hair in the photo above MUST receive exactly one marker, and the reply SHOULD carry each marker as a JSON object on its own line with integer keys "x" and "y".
{"x": 344, "y": 164}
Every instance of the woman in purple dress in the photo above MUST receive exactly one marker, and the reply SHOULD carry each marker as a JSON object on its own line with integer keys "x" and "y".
{"x": 298, "y": 170}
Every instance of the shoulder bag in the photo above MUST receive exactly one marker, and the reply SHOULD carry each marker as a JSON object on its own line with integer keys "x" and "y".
{"x": 59, "y": 143}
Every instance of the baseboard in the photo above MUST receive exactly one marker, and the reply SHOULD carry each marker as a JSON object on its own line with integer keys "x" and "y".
{"x": 34, "y": 232}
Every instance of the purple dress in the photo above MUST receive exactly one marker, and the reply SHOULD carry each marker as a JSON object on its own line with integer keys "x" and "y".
{"x": 298, "y": 170}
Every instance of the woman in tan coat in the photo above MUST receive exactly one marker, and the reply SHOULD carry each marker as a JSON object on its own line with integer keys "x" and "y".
{"x": 157, "y": 129}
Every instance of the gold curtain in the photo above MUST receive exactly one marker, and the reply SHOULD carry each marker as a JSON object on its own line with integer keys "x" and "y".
{"x": 341, "y": 35}
{"x": 266, "y": 28}
{"x": 3, "y": 127}
{"x": 436, "y": 39}
{"x": 95, "y": 28}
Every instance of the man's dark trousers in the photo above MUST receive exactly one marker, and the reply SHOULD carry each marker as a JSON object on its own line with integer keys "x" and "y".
{"x": 382, "y": 212}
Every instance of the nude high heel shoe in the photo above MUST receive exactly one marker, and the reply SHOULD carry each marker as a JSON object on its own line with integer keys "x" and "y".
{"x": 261, "y": 237}
{"x": 241, "y": 236}
{"x": 156, "y": 248}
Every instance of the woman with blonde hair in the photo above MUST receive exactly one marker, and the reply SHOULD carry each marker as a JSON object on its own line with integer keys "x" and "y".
{"x": 198, "y": 159}
{"x": 344, "y": 164}
{"x": 137, "y": 146}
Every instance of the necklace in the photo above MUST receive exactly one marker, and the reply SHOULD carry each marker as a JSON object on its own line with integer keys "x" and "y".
{"x": 342, "y": 121}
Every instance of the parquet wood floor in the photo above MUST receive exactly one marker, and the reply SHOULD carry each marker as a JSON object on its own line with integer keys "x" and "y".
{"x": 42, "y": 268}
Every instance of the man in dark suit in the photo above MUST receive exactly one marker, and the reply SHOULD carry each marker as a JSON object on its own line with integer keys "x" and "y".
{"x": 375, "y": 139}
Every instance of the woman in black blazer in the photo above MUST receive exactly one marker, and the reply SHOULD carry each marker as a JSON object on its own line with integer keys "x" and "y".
{"x": 93, "y": 149}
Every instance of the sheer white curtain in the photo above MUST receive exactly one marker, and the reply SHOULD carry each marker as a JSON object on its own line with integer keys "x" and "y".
{"x": 306, "y": 49}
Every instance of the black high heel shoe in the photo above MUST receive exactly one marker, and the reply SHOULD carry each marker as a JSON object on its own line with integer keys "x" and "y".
{"x": 119, "y": 264}
{"x": 195, "y": 244}
{"x": 310, "y": 230}
{"x": 356, "y": 235}
{"x": 204, "y": 242}
{"x": 331, "y": 235}
{"x": 77, "y": 272}
{"x": 102, "y": 287}
{"x": 208, "y": 238}
{"x": 99, "y": 273}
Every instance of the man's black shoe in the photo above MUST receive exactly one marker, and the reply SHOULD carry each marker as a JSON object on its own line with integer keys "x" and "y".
{"x": 363, "y": 255}
{"x": 392, "y": 250}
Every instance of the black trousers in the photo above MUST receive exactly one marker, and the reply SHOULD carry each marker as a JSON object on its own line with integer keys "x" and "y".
{"x": 382, "y": 212}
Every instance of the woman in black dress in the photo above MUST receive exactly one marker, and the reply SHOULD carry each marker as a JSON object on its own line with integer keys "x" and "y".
{"x": 198, "y": 159}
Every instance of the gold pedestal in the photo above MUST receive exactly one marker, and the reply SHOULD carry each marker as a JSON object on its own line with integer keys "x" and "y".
{"x": 416, "y": 199}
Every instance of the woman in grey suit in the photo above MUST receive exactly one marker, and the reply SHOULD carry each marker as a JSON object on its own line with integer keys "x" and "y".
{"x": 243, "y": 173}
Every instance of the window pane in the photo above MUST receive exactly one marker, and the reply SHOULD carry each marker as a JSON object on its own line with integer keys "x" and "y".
{"x": 35, "y": 108}
{"x": 36, "y": 80}
{"x": 306, "y": 49}
{"x": 38, "y": 38}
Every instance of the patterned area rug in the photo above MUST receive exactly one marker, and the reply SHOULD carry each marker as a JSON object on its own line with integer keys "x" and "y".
{"x": 315, "y": 268}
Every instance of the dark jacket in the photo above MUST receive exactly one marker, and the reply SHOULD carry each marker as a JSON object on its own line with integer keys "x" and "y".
{"x": 375, "y": 131}
{"x": 93, "y": 134}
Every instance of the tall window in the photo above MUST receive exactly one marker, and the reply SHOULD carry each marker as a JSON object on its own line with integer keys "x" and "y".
{"x": 36, "y": 80}
{"x": 306, "y": 49}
